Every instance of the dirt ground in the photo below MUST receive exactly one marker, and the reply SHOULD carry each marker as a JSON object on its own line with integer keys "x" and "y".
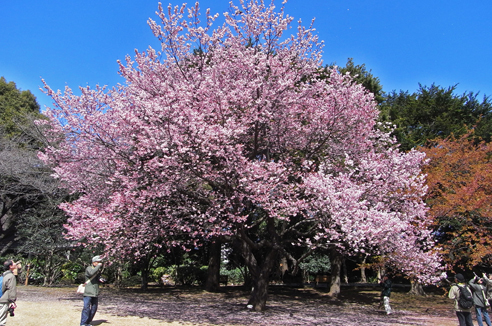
{"x": 191, "y": 306}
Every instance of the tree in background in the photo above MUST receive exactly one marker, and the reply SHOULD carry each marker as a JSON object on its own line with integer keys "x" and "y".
{"x": 241, "y": 137}
{"x": 32, "y": 224}
{"x": 433, "y": 112}
{"x": 363, "y": 77}
{"x": 17, "y": 111}
{"x": 15, "y": 107}
{"x": 459, "y": 177}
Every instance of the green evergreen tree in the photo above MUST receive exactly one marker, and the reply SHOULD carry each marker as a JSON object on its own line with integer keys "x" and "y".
{"x": 436, "y": 112}
{"x": 365, "y": 78}
{"x": 360, "y": 76}
{"x": 15, "y": 107}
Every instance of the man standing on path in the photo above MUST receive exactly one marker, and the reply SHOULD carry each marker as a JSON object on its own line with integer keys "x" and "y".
{"x": 9, "y": 290}
{"x": 464, "y": 315}
{"x": 91, "y": 293}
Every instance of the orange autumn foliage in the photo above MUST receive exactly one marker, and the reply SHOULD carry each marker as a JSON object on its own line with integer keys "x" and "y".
{"x": 459, "y": 177}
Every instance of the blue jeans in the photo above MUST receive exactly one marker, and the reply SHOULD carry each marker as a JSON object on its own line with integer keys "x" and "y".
{"x": 482, "y": 311}
{"x": 89, "y": 310}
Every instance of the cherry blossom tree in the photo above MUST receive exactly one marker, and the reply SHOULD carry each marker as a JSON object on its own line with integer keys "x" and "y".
{"x": 230, "y": 132}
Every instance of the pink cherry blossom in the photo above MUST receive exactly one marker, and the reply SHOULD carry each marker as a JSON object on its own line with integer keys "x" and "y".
{"x": 222, "y": 130}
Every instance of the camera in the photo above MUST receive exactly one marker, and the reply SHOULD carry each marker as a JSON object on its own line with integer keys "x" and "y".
{"x": 11, "y": 311}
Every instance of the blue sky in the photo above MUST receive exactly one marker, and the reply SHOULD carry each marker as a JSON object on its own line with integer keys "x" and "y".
{"x": 404, "y": 43}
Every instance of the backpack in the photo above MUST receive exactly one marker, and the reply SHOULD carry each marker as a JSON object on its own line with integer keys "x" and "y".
{"x": 465, "y": 300}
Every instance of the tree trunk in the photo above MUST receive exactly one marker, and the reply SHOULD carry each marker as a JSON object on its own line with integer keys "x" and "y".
{"x": 363, "y": 278}
{"x": 379, "y": 273}
{"x": 212, "y": 284}
{"x": 261, "y": 276}
{"x": 261, "y": 261}
{"x": 48, "y": 266}
{"x": 260, "y": 269}
{"x": 336, "y": 265}
{"x": 284, "y": 267}
{"x": 416, "y": 288}
{"x": 344, "y": 269}
{"x": 119, "y": 276}
{"x": 259, "y": 294}
{"x": 145, "y": 278}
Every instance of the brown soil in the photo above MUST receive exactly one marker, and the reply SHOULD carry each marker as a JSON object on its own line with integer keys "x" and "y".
{"x": 192, "y": 306}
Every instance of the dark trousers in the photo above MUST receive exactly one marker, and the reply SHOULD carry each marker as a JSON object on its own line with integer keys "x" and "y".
{"x": 89, "y": 310}
{"x": 465, "y": 318}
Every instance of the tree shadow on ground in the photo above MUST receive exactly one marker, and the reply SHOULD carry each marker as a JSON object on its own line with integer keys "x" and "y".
{"x": 286, "y": 306}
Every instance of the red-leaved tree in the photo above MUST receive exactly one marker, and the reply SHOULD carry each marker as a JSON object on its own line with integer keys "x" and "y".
{"x": 231, "y": 133}
{"x": 460, "y": 198}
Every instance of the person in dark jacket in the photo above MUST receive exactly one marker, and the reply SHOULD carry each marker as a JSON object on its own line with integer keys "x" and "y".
{"x": 464, "y": 315}
{"x": 480, "y": 299}
{"x": 91, "y": 293}
{"x": 386, "y": 284}
{"x": 9, "y": 290}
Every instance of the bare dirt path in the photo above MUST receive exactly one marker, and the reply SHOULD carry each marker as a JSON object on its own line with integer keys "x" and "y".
{"x": 178, "y": 306}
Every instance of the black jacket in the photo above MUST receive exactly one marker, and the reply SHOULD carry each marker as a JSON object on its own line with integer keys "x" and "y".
{"x": 386, "y": 292}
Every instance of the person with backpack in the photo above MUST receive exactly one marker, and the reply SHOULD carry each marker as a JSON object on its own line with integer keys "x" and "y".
{"x": 9, "y": 291}
{"x": 463, "y": 300}
{"x": 480, "y": 300}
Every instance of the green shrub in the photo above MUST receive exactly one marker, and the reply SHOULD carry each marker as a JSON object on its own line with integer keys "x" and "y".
{"x": 316, "y": 264}
{"x": 235, "y": 276}
{"x": 156, "y": 273}
{"x": 131, "y": 281}
{"x": 190, "y": 275}
{"x": 71, "y": 273}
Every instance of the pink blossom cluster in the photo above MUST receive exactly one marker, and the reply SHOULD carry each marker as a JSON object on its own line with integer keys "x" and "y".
{"x": 222, "y": 120}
